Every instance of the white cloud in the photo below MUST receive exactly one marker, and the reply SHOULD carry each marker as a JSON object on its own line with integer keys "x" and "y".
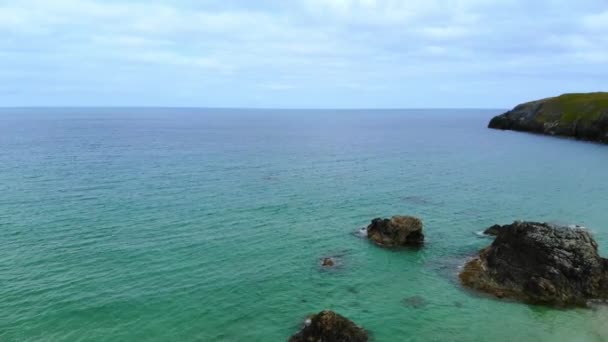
{"x": 19, "y": 20}
{"x": 278, "y": 86}
{"x": 435, "y": 50}
{"x": 445, "y": 32}
{"x": 598, "y": 21}
{"x": 172, "y": 58}
{"x": 311, "y": 43}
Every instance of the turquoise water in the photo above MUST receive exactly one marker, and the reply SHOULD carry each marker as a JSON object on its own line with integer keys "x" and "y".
{"x": 208, "y": 225}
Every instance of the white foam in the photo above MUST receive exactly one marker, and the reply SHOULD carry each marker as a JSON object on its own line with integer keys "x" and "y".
{"x": 576, "y": 226}
{"x": 362, "y": 232}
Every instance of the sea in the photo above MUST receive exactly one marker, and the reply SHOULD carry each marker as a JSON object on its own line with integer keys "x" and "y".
{"x": 186, "y": 224}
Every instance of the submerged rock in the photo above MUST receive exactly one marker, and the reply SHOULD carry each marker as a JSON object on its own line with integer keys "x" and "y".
{"x": 352, "y": 289}
{"x": 396, "y": 231}
{"x": 415, "y": 302}
{"x": 540, "y": 263}
{"x": 418, "y": 200}
{"x": 580, "y": 116}
{"x": 328, "y": 326}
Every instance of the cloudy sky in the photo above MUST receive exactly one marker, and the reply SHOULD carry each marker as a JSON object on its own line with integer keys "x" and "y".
{"x": 300, "y": 53}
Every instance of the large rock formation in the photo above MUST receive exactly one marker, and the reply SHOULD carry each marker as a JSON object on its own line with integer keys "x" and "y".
{"x": 328, "y": 326}
{"x": 540, "y": 263}
{"x": 396, "y": 231}
{"x": 580, "y": 116}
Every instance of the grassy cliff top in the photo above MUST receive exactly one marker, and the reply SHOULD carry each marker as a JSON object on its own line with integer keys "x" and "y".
{"x": 573, "y": 107}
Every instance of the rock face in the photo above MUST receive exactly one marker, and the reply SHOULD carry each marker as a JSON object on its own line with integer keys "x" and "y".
{"x": 396, "y": 231}
{"x": 580, "y": 116}
{"x": 328, "y": 326}
{"x": 540, "y": 263}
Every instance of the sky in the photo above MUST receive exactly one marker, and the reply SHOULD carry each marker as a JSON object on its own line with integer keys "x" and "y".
{"x": 300, "y": 53}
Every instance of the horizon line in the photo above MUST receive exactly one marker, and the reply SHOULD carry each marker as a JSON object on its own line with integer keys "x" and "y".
{"x": 243, "y": 108}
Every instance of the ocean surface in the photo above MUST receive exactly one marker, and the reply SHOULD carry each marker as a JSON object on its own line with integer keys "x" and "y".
{"x": 209, "y": 225}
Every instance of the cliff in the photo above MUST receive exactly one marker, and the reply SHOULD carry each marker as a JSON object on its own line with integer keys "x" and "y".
{"x": 580, "y": 116}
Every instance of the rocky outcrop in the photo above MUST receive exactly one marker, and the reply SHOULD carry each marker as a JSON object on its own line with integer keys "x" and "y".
{"x": 540, "y": 263}
{"x": 328, "y": 326}
{"x": 493, "y": 230}
{"x": 580, "y": 116}
{"x": 396, "y": 231}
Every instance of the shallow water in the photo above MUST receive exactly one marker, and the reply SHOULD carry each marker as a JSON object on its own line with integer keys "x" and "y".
{"x": 166, "y": 224}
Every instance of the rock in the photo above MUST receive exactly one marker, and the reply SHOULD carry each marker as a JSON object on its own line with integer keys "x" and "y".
{"x": 540, "y": 263}
{"x": 333, "y": 260}
{"x": 493, "y": 230}
{"x": 396, "y": 231}
{"x": 328, "y": 326}
{"x": 327, "y": 262}
{"x": 580, "y": 116}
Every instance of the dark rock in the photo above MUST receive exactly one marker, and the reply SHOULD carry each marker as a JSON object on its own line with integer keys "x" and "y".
{"x": 540, "y": 263}
{"x": 328, "y": 326}
{"x": 396, "y": 231}
{"x": 580, "y": 116}
{"x": 327, "y": 262}
{"x": 332, "y": 261}
{"x": 493, "y": 230}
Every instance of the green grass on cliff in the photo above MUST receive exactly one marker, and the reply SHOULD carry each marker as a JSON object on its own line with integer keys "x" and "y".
{"x": 578, "y": 107}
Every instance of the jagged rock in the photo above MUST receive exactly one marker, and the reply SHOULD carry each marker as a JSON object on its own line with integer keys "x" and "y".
{"x": 580, "y": 116}
{"x": 396, "y": 231}
{"x": 540, "y": 263}
{"x": 328, "y": 326}
{"x": 493, "y": 230}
